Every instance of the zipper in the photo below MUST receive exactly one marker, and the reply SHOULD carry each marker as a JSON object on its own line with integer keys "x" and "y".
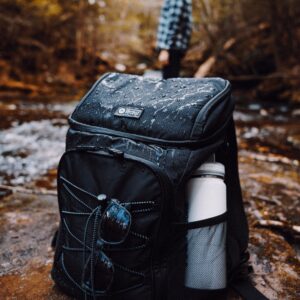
{"x": 214, "y": 100}
{"x": 112, "y": 152}
{"x": 85, "y": 128}
{"x": 202, "y": 115}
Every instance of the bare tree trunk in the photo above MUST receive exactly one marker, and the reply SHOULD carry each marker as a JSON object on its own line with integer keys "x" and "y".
{"x": 205, "y": 24}
{"x": 288, "y": 24}
{"x": 79, "y": 33}
{"x": 275, "y": 21}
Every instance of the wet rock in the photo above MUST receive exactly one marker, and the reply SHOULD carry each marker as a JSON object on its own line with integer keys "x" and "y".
{"x": 34, "y": 284}
{"x": 4, "y": 192}
{"x": 27, "y": 225}
{"x": 29, "y": 150}
{"x": 276, "y": 269}
{"x": 269, "y": 172}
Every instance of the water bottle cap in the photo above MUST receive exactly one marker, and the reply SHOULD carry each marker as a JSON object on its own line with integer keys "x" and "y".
{"x": 214, "y": 169}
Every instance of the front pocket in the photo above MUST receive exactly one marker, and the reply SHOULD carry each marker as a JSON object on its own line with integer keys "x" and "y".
{"x": 82, "y": 177}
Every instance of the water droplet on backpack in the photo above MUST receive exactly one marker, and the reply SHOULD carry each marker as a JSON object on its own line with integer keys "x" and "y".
{"x": 101, "y": 197}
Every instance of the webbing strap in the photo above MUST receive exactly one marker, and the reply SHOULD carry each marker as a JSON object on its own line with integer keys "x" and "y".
{"x": 246, "y": 289}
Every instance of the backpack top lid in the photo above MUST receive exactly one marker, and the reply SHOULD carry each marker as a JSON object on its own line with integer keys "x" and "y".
{"x": 179, "y": 109}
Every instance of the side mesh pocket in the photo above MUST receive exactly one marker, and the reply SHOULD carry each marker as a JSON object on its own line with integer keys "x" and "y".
{"x": 197, "y": 260}
{"x": 205, "y": 272}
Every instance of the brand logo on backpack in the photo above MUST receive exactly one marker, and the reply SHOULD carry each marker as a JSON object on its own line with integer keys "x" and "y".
{"x": 129, "y": 112}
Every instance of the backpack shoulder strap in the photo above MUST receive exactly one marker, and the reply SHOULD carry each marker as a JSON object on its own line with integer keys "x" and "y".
{"x": 245, "y": 288}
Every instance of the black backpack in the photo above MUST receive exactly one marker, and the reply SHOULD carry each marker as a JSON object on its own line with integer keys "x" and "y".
{"x": 132, "y": 145}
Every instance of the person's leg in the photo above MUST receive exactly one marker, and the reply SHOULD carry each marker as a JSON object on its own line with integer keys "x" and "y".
{"x": 172, "y": 69}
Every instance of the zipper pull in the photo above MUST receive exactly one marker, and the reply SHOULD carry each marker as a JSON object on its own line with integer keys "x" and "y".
{"x": 116, "y": 152}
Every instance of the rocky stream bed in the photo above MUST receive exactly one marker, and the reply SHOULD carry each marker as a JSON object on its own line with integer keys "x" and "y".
{"x": 32, "y": 140}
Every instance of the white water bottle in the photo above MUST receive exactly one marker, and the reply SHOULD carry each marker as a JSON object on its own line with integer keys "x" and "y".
{"x": 206, "y": 239}
{"x": 206, "y": 192}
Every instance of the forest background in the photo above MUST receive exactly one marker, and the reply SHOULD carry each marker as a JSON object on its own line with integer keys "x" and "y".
{"x": 52, "y": 51}
{"x": 49, "y": 45}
